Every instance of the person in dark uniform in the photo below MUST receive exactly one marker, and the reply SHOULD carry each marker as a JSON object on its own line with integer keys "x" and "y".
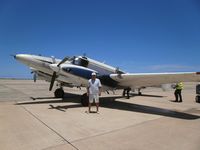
{"x": 127, "y": 92}
{"x": 177, "y": 93}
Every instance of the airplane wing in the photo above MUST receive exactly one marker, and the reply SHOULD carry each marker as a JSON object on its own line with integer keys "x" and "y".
{"x": 154, "y": 79}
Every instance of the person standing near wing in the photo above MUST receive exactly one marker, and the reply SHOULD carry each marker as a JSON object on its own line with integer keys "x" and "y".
{"x": 94, "y": 91}
{"x": 177, "y": 93}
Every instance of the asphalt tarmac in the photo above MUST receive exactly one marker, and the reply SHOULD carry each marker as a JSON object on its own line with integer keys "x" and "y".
{"x": 32, "y": 119}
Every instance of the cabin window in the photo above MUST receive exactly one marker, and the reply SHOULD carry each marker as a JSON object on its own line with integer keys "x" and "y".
{"x": 81, "y": 62}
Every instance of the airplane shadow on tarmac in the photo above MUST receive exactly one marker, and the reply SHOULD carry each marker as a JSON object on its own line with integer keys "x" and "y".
{"x": 146, "y": 95}
{"x": 146, "y": 109}
{"x": 111, "y": 103}
{"x": 69, "y": 97}
{"x": 63, "y": 108}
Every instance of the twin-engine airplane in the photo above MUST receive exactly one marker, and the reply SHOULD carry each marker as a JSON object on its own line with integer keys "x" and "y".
{"x": 75, "y": 72}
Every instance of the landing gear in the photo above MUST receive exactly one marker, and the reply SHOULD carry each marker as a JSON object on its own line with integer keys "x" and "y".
{"x": 127, "y": 92}
{"x": 139, "y": 92}
{"x": 84, "y": 99}
{"x": 59, "y": 93}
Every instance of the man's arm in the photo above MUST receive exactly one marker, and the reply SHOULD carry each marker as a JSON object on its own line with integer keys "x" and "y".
{"x": 99, "y": 91}
{"x": 88, "y": 91}
{"x": 100, "y": 88}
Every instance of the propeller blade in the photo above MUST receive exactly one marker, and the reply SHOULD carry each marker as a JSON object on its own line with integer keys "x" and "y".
{"x": 64, "y": 60}
{"x": 52, "y": 81}
{"x": 54, "y": 73}
{"x": 12, "y": 55}
{"x": 53, "y": 59}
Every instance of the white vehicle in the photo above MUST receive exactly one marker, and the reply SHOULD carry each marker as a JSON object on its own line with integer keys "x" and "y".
{"x": 75, "y": 72}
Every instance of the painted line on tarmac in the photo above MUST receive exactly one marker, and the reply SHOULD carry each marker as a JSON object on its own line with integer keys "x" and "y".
{"x": 49, "y": 127}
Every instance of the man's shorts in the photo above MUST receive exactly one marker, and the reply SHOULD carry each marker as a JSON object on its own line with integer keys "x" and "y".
{"x": 94, "y": 98}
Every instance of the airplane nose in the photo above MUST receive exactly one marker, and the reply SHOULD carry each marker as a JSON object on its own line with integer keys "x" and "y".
{"x": 24, "y": 58}
{"x": 21, "y": 57}
{"x": 18, "y": 56}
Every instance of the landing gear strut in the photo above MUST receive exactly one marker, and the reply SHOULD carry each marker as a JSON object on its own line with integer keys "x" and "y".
{"x": 59, "y": 93}
{"x": 139, "y": 92}
{"x": 84, "y": 99}
{"x": 127, "y": 92}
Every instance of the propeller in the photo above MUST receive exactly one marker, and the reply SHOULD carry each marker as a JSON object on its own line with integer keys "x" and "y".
{"x": 53, "y": 59}
{"x": 56, "y": 69}
{"x": 12, "y": 55}
{"x": 64, "y": 60}
{"x": 52, "y": 81}
{"x": 119, "y": 72}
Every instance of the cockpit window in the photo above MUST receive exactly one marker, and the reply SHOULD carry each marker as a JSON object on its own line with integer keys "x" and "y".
{"x": 81, "y": 61}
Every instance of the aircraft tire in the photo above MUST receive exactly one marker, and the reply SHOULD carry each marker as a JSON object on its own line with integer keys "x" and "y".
{"x": 84, "y": 100}
{"x": 197, "y": 99}
{"x": 59, "y": 93}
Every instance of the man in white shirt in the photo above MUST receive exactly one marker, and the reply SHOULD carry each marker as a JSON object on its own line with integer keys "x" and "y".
{"x": 94, "y": 91}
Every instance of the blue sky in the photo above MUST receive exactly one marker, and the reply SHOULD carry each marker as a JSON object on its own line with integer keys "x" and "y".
{"x": 135, "y": 35}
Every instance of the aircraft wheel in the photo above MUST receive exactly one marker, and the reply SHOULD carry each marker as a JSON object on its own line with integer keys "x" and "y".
{"x": 198, "y": 99}
{"x": 84, "y": 100}
{"x": 59, "y": 93}
{"x": 140, "y": 93}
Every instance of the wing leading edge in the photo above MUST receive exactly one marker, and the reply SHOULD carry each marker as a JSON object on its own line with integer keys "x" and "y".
{"x": 154, "y": 79}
